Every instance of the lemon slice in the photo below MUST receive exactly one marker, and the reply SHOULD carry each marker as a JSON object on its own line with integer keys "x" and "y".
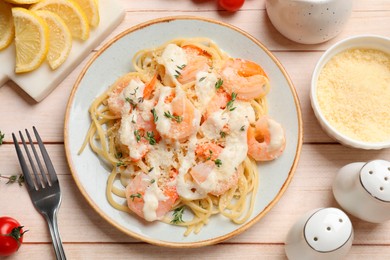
{"x": 6, "y": 25}
{"x": 60, "y": 38}
{"x": 70, "y": 12}
{"x": 31, "y": 39}
{"x": 91, "y": 9}
{"x": 23, "y": 2}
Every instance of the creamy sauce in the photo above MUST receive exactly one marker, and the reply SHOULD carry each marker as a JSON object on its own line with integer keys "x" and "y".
{"x": 232, "y": 156}
{"x": 151, "y": 198}
{"x": 173, "y": 153}
{"x": 133, "y": 93}
{"x": 163, "y": 123}
{"x": 205, "y": 88}
{"x": 174, "y": 60}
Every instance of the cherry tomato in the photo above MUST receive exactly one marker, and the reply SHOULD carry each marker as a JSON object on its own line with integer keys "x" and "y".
{"x": 11, "y": 236}
{"x": 231, "y": 5}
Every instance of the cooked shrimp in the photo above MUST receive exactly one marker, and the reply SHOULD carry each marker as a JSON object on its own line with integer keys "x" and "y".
{"x": 208, "y": 151}
{"x": 197, "y": 60}
{"x": 149, "y": 200}
{"x": 177, "y": 116}
{"x": 245, "y": 78}
{"x": 137, "y": 135}
{"x": 116, "y": 101}
{"x": 183, "y": 128}
{"x": 207, "y": 175}
{"x": 149, "y": 88}
{"x": 219, "y": 100}
{"x": 136, "y": 89}
{"x": 266, "y": 140}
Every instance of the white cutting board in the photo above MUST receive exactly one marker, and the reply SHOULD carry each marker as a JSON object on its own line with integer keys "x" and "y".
{"x": 40, "y": 82}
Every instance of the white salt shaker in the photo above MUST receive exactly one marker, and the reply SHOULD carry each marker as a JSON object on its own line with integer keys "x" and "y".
{"x": 321, "y": 234}
{"x": 363, "y": 190}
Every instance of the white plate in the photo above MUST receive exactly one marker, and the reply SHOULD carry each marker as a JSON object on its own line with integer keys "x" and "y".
{"x": 114, "y": 60}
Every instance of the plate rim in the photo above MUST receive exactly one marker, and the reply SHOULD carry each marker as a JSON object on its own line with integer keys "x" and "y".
{"x": 205, "y": 242}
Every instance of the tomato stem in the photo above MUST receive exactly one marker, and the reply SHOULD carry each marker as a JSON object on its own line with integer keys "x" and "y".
{"x": 16, "y": 234}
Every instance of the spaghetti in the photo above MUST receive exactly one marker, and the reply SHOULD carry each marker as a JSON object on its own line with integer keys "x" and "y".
{"x": 183, "y": 133}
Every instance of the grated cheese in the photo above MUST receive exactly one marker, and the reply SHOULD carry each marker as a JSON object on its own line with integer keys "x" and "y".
{"x": 353, "y": 93}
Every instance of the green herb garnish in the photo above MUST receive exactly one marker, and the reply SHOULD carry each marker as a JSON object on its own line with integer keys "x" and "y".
{"x": 178, "y": 215}
{"x": 14, "y": 178}
{"x": 136, "y": 195}
{"x": 218, "y": 162}
{"x": 150, "y": 138}
{"x": 137, "y": 135}
{"x": 1, "y": 137}
{"x": 135, "y": 92}
{"x": 177, "y": 74}
{"x": 155, "y": 117}
{"x": 219, "y": 83}
{"x": 211, "y": 153}
{"x": 132, "y": 102}
{"x": 181, "y": 67}
{"x": 170, "y": 116}
{"x": 229, "y": 105}
{"x": 120, "y": 163}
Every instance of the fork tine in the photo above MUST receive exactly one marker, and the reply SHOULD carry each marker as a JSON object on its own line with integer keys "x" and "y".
{"x": 45, "y": 182}
{"x": 46, "y": 158}
{"x": 23, "y": 165}
{"x": 37, "y": 182}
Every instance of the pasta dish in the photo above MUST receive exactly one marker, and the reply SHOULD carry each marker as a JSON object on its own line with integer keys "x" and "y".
{"x": 183, "y": 132}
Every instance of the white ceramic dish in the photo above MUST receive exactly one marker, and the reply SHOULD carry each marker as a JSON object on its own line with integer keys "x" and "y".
{"x": 309, "y": 21}
{"x": 361, "y": 41}
{"x": 114, "y": 60}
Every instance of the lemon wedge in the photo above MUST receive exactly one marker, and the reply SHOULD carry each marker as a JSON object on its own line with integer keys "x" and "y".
{"x": 31, "y": 39}
{"x": 60, "y": 38}
{"x": 91, "y": 9}
{"x": 6, "y": 25}
{"x": 72, "y": 14}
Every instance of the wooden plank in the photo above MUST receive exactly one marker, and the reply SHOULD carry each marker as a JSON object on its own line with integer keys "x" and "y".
{"x": 143, "y": 251}
{"x": 204, "y": 5}
{"x": 257, "y": 24}
{"x": 309, "y": 189}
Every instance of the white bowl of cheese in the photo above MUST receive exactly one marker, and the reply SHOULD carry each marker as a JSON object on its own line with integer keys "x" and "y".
{"x": 350, "y": 92}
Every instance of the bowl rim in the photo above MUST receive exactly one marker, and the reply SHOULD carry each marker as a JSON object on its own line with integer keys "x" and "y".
{"x": 373, "y": 41}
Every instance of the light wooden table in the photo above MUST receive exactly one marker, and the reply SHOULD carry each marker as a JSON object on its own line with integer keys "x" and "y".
{"x": 87, "y": 236}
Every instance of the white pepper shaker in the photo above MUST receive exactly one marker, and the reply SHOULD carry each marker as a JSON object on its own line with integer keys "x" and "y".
{"x": 363, "y": 190}
{"x": 321, "y": 234}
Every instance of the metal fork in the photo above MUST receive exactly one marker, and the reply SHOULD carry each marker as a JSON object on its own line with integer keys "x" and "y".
{"x": 44, "y": 188}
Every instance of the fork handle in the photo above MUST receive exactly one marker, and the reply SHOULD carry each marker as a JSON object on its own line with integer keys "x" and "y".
{"x": 51, "y": 218}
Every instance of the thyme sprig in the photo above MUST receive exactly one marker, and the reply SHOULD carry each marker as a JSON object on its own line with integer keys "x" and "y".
{"x": 178, "y": 215}
{"x": 14, "y": 178}
{"x": 155, "y": 117}
{"x": 150, "y": 138}
{"x": 137, "y": 135}
{"x": 135, "y": 195}
{"x": 178, "y": 119}
{"x": 229, "y": 105}
{"x": 218, "y": 162}
{"x": 219, "y": 83}
{"x": 1, "y": 137}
